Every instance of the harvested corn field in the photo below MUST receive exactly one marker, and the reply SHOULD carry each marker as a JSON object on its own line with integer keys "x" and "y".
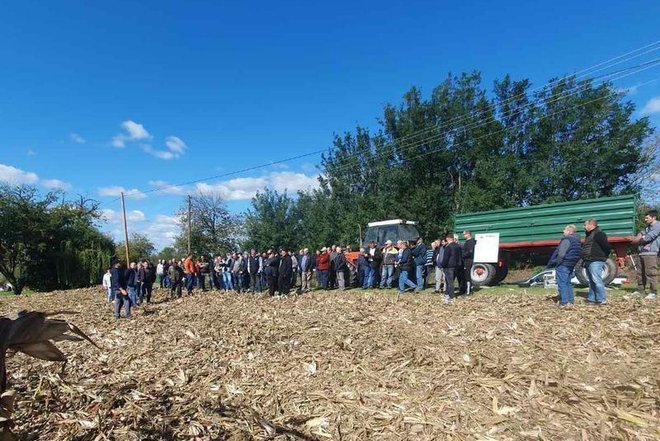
{"x": 345, "y": 366}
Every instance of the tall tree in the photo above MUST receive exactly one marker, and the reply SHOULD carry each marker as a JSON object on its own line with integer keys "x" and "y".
{"x": 269, "y": 222}
{"x": 214, "y": 229}
{"x": 140, "y": 247}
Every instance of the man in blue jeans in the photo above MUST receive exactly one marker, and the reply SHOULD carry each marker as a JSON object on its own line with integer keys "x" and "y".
{"x": 564, "y": 258}
{"x": 595, "y": 251}
{"x": 419, "y": 254}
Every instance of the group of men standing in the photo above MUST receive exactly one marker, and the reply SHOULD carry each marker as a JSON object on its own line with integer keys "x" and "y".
{"x": 129, "y": 287}
{"x": 594, "y": 252}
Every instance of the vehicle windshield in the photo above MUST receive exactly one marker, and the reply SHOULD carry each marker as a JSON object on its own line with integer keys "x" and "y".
{"x": 383, "y": 233}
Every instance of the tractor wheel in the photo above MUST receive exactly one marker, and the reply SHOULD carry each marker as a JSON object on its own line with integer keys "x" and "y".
{"x": 609, "y": 273}
{"x": 483, "y": 274}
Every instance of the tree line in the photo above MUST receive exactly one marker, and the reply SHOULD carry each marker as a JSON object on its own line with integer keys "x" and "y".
{"x": 462, "y": 149}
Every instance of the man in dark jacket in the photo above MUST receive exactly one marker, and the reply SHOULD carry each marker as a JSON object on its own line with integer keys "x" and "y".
{"x": 451, "y": 260}
{"x": 284, "y": 272}
{"x": 148, "y": 277}
{"x": 564, "y": 258}
{"x": 175, "y": 273}
{"x": 120, "y": 289}
{"x": 253, "y": 266}
{"x": 406, "y": 264}
{"x": 419, "y": 254}
{"x": 272, "y": 268}
{"x": 467, "y": 252}
{"x": 341, "y": 267}
{"x": 595, "y": 251}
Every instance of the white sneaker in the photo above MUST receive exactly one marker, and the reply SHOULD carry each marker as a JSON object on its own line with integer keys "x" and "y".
{"x": 637, "y": 294}
{"x": 651, "y": 296}
{"x": 447, "y": 299}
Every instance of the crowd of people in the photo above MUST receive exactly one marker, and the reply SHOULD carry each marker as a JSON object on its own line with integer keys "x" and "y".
{"x": 279, "y": 272}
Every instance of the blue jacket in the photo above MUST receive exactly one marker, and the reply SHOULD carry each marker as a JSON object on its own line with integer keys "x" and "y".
{"x": 452, "y": 257}
{"x": 419, "y": 252}
{"x": 567, "y": 253}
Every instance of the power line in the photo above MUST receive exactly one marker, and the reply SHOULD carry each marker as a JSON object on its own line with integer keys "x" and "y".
{"x": 622, "y": 58}
{"x": 512, "y": 127}
{"x": 580, "y": 74}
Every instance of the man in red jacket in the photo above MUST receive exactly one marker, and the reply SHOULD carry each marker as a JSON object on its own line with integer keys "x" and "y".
{"x": 323, "y": 266}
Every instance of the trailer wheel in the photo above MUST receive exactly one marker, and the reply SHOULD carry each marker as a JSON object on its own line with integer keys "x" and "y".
{"x": 609, "y": 273}
{"x": 483, "y": 274}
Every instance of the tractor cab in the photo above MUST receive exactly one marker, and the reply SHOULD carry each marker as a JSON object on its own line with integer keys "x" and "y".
{"x": 394, "y": 230}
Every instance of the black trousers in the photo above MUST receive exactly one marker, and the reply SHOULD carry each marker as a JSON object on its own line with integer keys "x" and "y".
{"x": 272, "y": 285}
{"x": 283, "y": 284}
{"x": 466, "y": 280}
{"x": 450, "y": 275}
{"x": 175, "y": 287}
{"x": 254, "y": 282}
{"x": 147, "y": 289}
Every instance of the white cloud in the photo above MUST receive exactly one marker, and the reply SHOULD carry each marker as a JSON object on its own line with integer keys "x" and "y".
{"x": 16, "y": 176}
{"x": 136, "y": 216}
{"x": 117, "y": 190}
{"x": 31, "y": 152}
{"x": 652, "y": 106}
{"x": 76, "y": 138}
{"x": 163, "y": 230}
{"x": 114, "y": 217}
{"x": 175, "y": 144}
{"x": 247, "y": 188}
{"x": 293, "y": 182}
{"x": 109, "y": 215}
{"x": 56, "y": 184}
{"x": 132, "y": 132}
{"x": 162, "y": 187}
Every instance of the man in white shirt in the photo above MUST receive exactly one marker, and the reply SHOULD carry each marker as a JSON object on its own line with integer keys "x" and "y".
{"x": 107, "y": 284}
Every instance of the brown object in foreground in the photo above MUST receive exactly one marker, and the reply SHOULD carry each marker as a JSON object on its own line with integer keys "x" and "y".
{"x": 30, "y": 333}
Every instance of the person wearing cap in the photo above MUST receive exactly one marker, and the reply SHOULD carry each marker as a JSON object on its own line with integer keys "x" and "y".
{"x": 389, "y": 258}
{"x": 285, "y": 272}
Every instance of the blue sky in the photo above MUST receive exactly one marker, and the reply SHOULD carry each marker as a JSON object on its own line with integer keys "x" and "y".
{"x": 97, "y": 96}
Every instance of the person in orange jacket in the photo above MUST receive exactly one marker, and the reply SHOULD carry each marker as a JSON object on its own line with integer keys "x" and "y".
{"x": 190, "y": 271}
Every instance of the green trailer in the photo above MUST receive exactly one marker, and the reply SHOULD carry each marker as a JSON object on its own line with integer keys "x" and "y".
{"x": 539, "y": 228}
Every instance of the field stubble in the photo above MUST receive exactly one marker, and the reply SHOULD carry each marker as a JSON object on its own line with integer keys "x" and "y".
{"x": 345, "y": 366}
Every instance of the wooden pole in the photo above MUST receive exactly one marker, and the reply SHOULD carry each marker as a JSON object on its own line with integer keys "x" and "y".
{"x": 123, "y": 211}
{"x": 189, "y": 220}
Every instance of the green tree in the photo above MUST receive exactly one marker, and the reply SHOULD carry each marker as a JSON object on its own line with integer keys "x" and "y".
{"x": 167, "y": 253}
{"x": 214, "y": 229}
{"x": 48, "y": 245}
{"x": 140, "y": 247}
{"x": 462, "y": 150}
{"x": 269, "y": 222}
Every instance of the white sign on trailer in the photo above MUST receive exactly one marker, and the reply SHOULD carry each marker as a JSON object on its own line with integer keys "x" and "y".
{"x": 487, "y": 248}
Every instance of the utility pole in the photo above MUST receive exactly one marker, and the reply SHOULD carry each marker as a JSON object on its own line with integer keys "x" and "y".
{"x": 123, "y": 211}
{"x": 189, "y": 220}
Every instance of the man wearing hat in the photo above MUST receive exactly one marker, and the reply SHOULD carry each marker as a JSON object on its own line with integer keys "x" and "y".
{"x": 387, "y": 272}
